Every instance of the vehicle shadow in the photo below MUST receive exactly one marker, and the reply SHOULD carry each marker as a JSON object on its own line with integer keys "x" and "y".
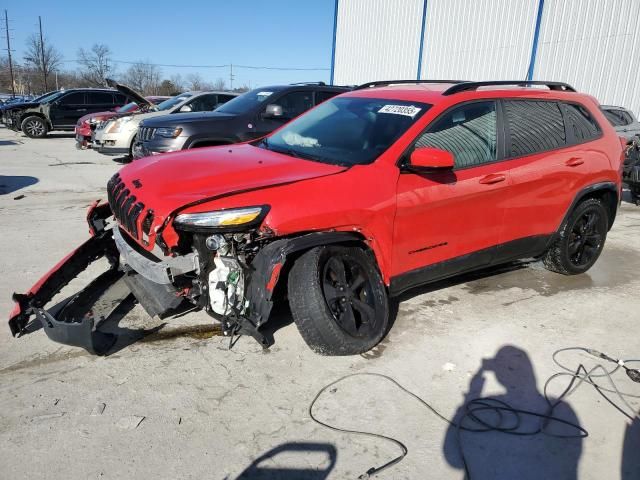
{"x": 268, "y": 467}
{"x": 521, "y": 450}
{"x": 61, "y": 135}
{"x": 4, "y": 143}
{"x": 10, "y": 184}
{"x": 281, "y": 316}
{"x": 122, "y": 160}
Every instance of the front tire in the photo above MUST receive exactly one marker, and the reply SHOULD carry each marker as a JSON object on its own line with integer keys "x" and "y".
{"x": 338, "y": 300}
{"x": 34, "y": 127}
{"x": 580, "y": 239}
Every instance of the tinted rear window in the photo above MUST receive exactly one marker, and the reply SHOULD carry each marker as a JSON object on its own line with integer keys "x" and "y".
{"x": 580, "y": 123}
{"x": 534, "y": 126}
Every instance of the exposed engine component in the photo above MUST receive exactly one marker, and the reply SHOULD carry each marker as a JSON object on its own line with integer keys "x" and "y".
{"x": 226, "y": 286}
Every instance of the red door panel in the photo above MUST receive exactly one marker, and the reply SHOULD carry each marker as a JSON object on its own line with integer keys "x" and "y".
{"x": 446, "y": 215}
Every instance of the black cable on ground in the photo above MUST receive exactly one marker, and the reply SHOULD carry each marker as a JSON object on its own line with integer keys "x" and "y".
{"x": 508, "y": 418}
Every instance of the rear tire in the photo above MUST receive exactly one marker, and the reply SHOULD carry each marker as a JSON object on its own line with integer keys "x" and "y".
{"x": 34, "y": 127}
{"x": 338, "y": 300}
{"x": 580, "y": 239}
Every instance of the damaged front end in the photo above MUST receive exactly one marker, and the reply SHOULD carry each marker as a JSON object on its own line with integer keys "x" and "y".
{"x": 65, "y": 327}
{"x": 229, "y": 268}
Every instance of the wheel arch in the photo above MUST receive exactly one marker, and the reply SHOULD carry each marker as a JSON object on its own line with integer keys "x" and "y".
{"x": 272, "y": 263}
{"x": 25, "y": 115}
{"x": 607, "y": 192}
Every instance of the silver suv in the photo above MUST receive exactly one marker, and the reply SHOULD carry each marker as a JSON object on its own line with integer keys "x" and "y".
{"x": 624, "y": 121}
{"x": 118, "y": 135}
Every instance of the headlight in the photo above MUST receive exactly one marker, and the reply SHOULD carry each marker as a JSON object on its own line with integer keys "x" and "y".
{"x": 168, "y": 132}
{"x": 118, "y": 125}
{"x": 221, "y": 219}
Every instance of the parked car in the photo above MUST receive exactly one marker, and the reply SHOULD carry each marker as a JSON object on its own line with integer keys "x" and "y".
{"x": 252, "y": 115}
{"x": 62, "y": 111}
{"x": 373, "y": 192}
{"x": 87, "y": 124}
{"x": 631, "y": 169}
{"x": 19, "y": 102}
{"x": 118, "y": 136}
{"x": 624, "y": 121}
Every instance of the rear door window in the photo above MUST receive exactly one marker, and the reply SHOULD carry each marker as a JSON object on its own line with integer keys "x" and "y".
{"x": 581, "y": 127}
{"x": 76, "y": 98}
{"x": 469, "y": 132}
{"x": 617, "y": 118}
{"x": 533, "y": 126}
{"x": 100, "y": 98}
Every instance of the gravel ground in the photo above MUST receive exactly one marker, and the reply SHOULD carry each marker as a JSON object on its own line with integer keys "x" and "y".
{"x": 179, "y": 404}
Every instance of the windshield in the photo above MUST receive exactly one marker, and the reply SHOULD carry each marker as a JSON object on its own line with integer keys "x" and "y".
{"x": 129, "y": 107}
{"x": 246, "y": 102}
{"x": 50, "y": 97}
{"x": 346, "y": 130}
{"x": 172, "y": 102}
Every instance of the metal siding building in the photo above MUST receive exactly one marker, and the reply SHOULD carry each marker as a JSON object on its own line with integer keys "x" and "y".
{"x": 593, "y": 45}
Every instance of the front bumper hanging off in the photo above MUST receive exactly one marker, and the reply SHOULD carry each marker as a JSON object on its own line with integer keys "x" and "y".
{"x": 65, "y": 327}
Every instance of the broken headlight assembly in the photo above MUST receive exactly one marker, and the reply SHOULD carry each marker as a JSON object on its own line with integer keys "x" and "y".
{"x": 221, "y": 219}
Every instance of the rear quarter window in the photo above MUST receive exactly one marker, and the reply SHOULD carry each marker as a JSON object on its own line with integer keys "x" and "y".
{"x": 581, "y": 126}
{"x": 534, "y": 126}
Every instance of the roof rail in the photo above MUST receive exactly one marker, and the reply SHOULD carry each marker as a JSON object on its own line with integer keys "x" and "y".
{"x": 309, "y": 83}
{"x": 468, "y": 86}
{"x": 384, "y": 83}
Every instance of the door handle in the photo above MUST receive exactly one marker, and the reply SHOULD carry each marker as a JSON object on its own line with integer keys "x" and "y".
{"x": 574, "y": 162}
{"x": 493, "y": 178}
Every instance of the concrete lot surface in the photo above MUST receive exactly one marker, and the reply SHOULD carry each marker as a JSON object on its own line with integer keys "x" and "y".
{"x": 179, "y": 404}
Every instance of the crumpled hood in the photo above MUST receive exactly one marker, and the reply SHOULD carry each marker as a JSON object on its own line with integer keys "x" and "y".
{"x": 169, "y": 182}
{"x": 184, "y": 118}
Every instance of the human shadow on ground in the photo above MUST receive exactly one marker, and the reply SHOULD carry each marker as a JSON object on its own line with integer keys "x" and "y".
{"x": 13, "y": 183}
{"x": 268, "y": 467}
{"x": 630, "y": 469}
{"x": 510, "y": 454}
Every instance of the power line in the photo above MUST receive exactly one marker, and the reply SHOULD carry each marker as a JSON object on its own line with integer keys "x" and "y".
{"x": 226, "y": 65}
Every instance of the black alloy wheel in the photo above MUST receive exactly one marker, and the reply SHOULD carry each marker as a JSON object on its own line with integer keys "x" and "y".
{"x": 348, "y": 293}
{"x": 586, "y": 238}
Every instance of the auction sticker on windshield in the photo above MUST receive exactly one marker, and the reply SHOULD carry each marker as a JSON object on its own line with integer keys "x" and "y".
{"x": 263, "y": 95}
{"x": 408, "y": 110}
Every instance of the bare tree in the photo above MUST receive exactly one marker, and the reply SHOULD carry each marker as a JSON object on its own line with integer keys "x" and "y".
{"x": 219, "y": 84}
{"x": 44, "y": 60}
{"x": 96, "y": 64}
{"x": 177, "y": 82}
{"x": 144, "y": 77}
{"x": 194, "y": 81}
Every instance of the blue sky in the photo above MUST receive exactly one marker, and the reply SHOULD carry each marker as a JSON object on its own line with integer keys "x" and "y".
{"x": 275, "y": 33}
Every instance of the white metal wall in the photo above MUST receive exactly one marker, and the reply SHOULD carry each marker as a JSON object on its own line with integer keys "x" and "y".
{"x": 377, "y": 40}
{"x": 595, "y": 46}
{"x": 478, "y": 39}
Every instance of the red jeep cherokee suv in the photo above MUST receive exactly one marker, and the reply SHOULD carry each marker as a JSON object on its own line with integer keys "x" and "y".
{"x": 373, "y": 192}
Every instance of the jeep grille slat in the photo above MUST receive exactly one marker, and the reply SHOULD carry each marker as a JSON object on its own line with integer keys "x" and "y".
{"x": 123, "y": 205}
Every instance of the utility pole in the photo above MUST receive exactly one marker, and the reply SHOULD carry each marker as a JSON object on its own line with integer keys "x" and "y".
{"x": 231, "y": 77}
{"x": 44, "y": 67}
{"x": 6, "y": 26}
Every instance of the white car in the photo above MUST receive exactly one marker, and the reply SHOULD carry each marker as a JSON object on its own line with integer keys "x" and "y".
{"x": 118, "y": 135}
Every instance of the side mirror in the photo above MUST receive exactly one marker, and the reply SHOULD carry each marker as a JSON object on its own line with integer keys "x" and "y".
{"x": 427, "y": 159}
{"x": 186, "y": 108}
{"x": 273, "y": 111}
